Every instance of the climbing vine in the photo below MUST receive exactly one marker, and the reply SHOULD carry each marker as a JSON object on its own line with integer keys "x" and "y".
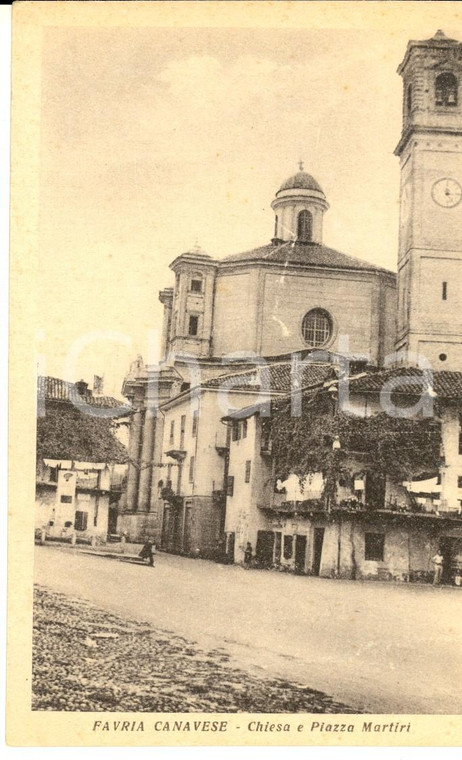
{"x": 399, "y": 448}
{"x": 169, "y": 495}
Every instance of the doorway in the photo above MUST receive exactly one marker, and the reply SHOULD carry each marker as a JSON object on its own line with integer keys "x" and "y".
{"x": 112, "y": 520}
{"x": 317, "y": 549}
{"x": 187, "y": 533}
{"x": 265, "y": 548}
{"x": 300, "y": 553}
{"x": 230, "y": 542}
{"x": 165, "y": 534}
{"x": 277, "y": 547}
{"x": 451, "y": 548}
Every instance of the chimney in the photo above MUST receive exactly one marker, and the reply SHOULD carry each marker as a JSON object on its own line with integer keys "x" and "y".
{"x": 98, "y": 385}
{"x": 82, "y": 388}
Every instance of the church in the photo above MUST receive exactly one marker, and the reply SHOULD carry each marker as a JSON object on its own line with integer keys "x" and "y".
{"x": 237, "y": 322}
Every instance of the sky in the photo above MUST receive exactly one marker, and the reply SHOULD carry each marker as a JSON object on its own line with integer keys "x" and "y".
{"x": 152, "y": 140}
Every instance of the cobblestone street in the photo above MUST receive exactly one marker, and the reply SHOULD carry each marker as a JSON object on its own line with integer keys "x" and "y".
{"x": 86, "y": 659}
{"x": 193, "y": 635}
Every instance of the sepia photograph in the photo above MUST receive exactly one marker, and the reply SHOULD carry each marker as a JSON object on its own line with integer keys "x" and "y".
{"x": 236, "y": 372}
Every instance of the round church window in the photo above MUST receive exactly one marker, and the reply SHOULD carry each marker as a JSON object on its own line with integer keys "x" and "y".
{"x": 317, "y": 328}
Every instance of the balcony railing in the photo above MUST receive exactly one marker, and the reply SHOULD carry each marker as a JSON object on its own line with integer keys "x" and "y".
{"x": 353, "y": 506}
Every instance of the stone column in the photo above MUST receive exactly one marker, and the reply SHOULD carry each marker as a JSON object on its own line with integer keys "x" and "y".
{"x": 134, "y": 455}
{"x": 146, "y": 461}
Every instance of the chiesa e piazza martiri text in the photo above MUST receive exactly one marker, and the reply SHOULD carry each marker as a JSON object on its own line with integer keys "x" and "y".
{"x": 201, "y": 474}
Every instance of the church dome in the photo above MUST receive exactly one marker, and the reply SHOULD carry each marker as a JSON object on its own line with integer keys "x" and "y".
{"x": 300, "y": 181}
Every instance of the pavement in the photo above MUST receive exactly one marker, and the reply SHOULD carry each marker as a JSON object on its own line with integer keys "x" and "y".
{"x": 89, "y": 660}
{"x": 379, "y": 647}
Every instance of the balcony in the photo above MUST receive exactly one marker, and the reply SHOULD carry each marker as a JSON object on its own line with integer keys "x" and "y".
{"x": 353, "y": 506}
{"x": 296, "y": 507}
{"x": 266, "y": 447}
{"x": 222, "y": 442}
{"x": 178, "y": 454}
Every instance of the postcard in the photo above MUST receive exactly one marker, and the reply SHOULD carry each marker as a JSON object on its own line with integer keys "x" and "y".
{"x": 235, "y": 374}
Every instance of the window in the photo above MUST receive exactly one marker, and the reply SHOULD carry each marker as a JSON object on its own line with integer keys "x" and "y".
{"x": 305, "y": 226}
{"x": 53, "y": 474}
{"x": 446, "y": 90}
{"x": 196, "y": 285}
{"x": 288, "y": 547}
{"x": 236, "y": 430}
{"x": 248, "y": 466}
{"x": 459, "y": 481}
{"x": 195, "y": 421}
{"x": 444, "y": 291}
{"x": 230, "y": 485}
{"x": 81, "y": 520}
{"x": 276, "y": 227}
{"x": 244, "y": 428}
{"x": 66, "y": 499}
{"x": 182, "y": 430}
{"x": 317, "y": 328}
{"x": 373, "y": 546}
{"x": 193, "y": 324}
{"x": 409, "y": 99}
{"x": 172, "y": 432}
{"x": 191, "y": 470}
{"x": 169, "y": 476}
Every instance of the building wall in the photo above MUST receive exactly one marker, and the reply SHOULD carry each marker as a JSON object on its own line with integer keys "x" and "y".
{"x": 362, "y": 306}
{"x": 288, "y": 297}
{"x": 211, "y": 433}
{"x": 236, "y": 294}
{"x": 408, "y": 548}
{"x": 57, "y": 502}
{"x": 202, "y": 484}
{"x": 451, "y": 493}
{"x": 244, "y": 517}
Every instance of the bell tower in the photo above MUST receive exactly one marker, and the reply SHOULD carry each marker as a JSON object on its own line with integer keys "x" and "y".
{"x": 430, "y": 236}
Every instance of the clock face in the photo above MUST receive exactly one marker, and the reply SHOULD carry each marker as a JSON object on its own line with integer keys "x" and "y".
{"x": 447, "y": 192}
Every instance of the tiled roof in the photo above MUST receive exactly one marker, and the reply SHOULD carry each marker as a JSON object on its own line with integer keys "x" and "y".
{"x": 306, "y": 255}
{"x": 274, "y": 378}
{"x": 444, "y": 384}
{"x": 54, "y": 389}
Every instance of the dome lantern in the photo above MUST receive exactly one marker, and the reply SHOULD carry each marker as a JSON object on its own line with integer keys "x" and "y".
{"x": 299, "y": 206}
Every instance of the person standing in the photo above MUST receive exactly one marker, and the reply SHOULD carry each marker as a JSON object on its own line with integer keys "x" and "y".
{"x": 438, "y": 560}
{"x": 248, "y": 555}
{"x": 148, "y": 551}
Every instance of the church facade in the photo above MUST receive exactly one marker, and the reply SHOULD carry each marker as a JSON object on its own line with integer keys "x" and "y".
{"x": 294, "y": 295}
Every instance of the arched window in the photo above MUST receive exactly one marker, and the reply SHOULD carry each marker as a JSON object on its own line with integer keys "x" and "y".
{"x": 409, "y": 100}
{"x": 317, "y": 328}
{"x": 276, "y": 227}
{"x": 446, "y": 90}
{"x": 305, "y": 226}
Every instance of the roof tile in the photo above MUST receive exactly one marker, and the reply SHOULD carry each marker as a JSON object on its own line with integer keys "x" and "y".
{"x": 304, "y": 254}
